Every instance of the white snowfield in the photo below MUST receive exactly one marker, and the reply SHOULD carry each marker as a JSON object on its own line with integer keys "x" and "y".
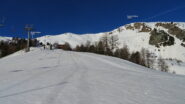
{"x": 62, "y": 77}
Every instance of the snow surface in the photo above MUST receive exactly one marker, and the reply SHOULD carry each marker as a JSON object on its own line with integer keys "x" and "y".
{"x": 62, "y": 77}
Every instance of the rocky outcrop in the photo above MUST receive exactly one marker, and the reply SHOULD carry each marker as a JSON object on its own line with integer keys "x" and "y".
{"x": 173, "y": 29}
{"x": 140, "y": 26}
{"x": 160, "y": 38}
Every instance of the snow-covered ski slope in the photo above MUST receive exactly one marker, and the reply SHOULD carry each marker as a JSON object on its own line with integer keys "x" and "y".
{"x": 62, "y": 77}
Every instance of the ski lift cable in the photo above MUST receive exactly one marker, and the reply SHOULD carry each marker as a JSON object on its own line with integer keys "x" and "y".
{"x": 163, "y": 13}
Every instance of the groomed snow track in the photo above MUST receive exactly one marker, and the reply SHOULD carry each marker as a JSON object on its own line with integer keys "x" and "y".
{"x": 62, "y": 77}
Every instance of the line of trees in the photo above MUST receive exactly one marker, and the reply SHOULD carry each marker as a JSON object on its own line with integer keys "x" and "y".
{"x": 108, "y": 45}
{"x": 14, "y": 45}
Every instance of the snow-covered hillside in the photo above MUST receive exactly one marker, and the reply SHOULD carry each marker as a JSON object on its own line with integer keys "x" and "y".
{"x": 62, "y": 77}
{"x": 134, "y": 38}
{"x": 73, "y": 39}
{"x": 5, "y": 38}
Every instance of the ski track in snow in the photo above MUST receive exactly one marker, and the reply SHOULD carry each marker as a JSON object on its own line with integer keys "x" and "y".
{"x": 63, "y": 77}
{"x": 85, "y": 97}
{"x": 30, "y": 78}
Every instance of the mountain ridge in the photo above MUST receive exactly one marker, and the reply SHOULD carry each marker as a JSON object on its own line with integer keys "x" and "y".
{"x": 76, "y": 39}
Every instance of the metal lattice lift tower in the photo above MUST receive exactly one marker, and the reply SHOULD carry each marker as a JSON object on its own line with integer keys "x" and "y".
{"x": 28, "y": 28}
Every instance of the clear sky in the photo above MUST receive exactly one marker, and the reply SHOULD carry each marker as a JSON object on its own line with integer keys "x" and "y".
{"x": 53, "y": 17}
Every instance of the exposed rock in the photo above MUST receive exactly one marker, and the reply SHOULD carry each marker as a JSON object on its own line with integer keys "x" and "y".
{"x": 140, "y": 26}
{"x": 120, "y": 29}
{"x": 173, "y": 29}
{"x": 166, "y": 25}
{"x": 160, "y": 37}
{"x": 146, "y": 29}
{"x": 179, "y": 33}
{"x": 129, "y": 27}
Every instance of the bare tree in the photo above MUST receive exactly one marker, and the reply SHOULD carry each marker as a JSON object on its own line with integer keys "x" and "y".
{"x": 124, "y": 52}
{"x": 77, "y": 48}
{"x": 100, "y": 48}
{"x": 92, "y": 48}
{"x": 67, "y": 46}
{"x": 149, "y": 59}
{"x": 105, "y": 41}
{"x": 119, "y": 29}
{"x": 143, "y": 57}
{"x": 136, "y": 57}
{"x": 87, "y": 45}
{"x": 117, "y": 53}
{"x": 113, "y": 41}
{"x": 162, "y": 65}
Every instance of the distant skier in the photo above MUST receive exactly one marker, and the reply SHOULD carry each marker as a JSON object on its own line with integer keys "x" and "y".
{"x": 44, "y": 47}
{"x": 51, "y": 46}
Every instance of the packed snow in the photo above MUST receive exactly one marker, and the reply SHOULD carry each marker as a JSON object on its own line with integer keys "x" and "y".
{"x": 63, "y": 77}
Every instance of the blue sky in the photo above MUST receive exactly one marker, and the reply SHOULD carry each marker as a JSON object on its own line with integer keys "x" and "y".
{"x": 83, "y": 16}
